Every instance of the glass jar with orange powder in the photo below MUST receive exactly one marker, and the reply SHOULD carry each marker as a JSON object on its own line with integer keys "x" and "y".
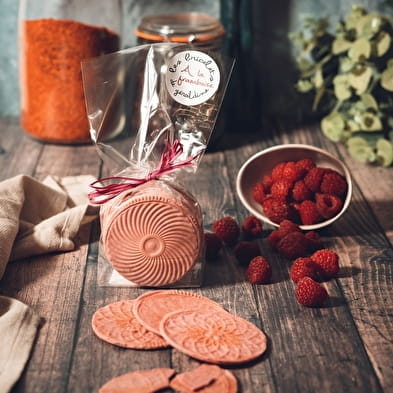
{"x": 54, "y": 36}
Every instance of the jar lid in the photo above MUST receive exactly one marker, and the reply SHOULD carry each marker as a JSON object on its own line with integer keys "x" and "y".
{"x": 185, "y": 28}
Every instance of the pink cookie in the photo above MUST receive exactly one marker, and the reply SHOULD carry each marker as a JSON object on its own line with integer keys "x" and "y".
{"x": 152, "y": 235}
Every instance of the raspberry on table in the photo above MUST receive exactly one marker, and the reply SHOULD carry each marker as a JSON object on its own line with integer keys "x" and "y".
{"x": 245, "y": 251}
{"x": 273, "y": 239}
{"x": 252, "y": 226}
{"x": 328, "y": 262}
{"x": 258, "y": 192}
{"x": 287, "y": 226}
{"x": 309, "y": 213}
{"x": 213, "y": 245}
{"x": 328, "y": 205}
{"x": 313, "y": 179}
{"x": 300, "y": 192}
{"x": 293, "y": 245}
{"x": 281, "y": 189}
{"x": 314, "y": 241}
{"x": 333, "y": 183}
{"x": 226, "y": 229}
{"x": 259, "y": 271}
{"x": 309, "y": 293}
{"x": 303, "y": 267}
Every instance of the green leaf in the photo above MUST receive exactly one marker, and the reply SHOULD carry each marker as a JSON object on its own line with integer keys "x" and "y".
{"x": 318, "y": 79}
{"x": 360, "y": 50}
{"x": 346, "y": 64}
{"x": 340, "y": 45}
{"x": 353, "y": 17}
{"x": 359, "y": 78}
{"x": 371, "y": 25}
{"x": 369, "y": 101}
{"x": 383, "y": 43}
{"x": 387, "y": 79}
{"x": 389, "y": 63}
{"x": 318, "y": 96}
{"x": 353, "y": 126}
{"x": 304, "y": 86}
{"x": 361, "y": 151}
{"x": 384, "y": 152}
{"x": 371, "y": 122}
{"x": 342, "y": 88}
{"x": 356, "y": 141}
{"x": 333, "y": 127}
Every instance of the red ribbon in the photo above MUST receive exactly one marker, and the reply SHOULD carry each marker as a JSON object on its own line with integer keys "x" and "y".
{"x": 104, "y": 193}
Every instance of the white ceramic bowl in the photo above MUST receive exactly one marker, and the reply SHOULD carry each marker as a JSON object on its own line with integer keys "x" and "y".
{"x": 262, "y": 163}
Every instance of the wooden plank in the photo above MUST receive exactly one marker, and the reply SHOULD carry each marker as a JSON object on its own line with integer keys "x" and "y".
{"x": 52, "y": 284}
{"x": 312, "y": 349}
{"x": 376, "y": 184}
{"x": 19, "y": 152}
{"x": 94, "y": 359}
{"x": 364, "y": 240}
{"x": 224, "y": 281}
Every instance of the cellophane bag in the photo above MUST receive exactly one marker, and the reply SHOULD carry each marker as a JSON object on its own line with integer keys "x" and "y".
{"x": 152, "y": 110}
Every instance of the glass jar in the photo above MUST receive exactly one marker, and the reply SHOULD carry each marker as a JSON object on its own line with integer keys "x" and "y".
{"x": 200, "y": 30}
{"x": 54, "y": 36}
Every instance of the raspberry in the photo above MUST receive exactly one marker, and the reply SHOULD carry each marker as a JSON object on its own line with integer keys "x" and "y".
{"x": 278, "y": 211}
{"x": 292, "y": 172}
{"x": 333, "y": 183}
{"x": 267, "y": 181}
{"x": 328, "y": 205}
{"x": 309, "y": 293}
{"x": 266, "y": 203}
{"x": 303, "y": 267}
{"x": 245, "y": 251}
{"x": 280, "y": 189}
{"x": 309, "y": 214}
{"x": 252, "y": 227}
{"x": 226, "y": 229}
{"x": 273, "y": 239}
{"x": 300, "y": 192}
{"x": 292, "y": 245}
{"x": 327, "y": 260}
{"x": 258, "y": 192}
{"x": 314, "y": 241}
{"x": 313, "y": 178}
{"x": 277, "y": 171}
{"x": 259, "y": 271}
{"x": 287, "y": 226}
{"x": 306, "y": 164}
{"x": 213, "y": 245}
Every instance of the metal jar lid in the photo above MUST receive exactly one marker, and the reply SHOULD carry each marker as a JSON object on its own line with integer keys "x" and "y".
{"x": 190, "y": 27}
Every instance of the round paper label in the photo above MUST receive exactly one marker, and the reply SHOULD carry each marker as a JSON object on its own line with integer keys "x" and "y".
{"x": 192, "y": 77}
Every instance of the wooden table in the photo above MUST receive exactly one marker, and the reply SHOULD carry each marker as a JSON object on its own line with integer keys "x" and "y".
{"x": 346, "y": 346}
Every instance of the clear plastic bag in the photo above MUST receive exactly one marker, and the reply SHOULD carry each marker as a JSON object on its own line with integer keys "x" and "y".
{"x": 161, "y": 101}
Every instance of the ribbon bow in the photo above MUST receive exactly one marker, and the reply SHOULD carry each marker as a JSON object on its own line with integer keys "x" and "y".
{"x": 104, "y": 193}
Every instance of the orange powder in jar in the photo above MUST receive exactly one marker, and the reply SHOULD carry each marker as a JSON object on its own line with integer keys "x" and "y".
{"x": 52, "y": 99}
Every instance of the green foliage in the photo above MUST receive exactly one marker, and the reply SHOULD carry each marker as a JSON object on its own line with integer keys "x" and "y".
{"x": 350, "y": 74}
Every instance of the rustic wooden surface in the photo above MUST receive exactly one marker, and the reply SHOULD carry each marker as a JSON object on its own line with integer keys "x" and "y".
{"x": 346, "y": 346}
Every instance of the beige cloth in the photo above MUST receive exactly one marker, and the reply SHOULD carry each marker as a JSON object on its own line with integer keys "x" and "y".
{"x": 18, "y": 328}
{"x": 35, "y": 218}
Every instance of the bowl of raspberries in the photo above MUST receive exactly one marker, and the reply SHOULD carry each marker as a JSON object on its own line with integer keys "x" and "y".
{"x": 300, "y": 183}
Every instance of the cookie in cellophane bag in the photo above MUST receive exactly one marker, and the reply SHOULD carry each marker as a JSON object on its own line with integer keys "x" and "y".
{"x": 151, "y": 226}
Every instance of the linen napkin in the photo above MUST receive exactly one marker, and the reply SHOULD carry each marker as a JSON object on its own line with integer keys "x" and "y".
{"x": 18, "y": 327}
{"x": 35, "y": 218}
